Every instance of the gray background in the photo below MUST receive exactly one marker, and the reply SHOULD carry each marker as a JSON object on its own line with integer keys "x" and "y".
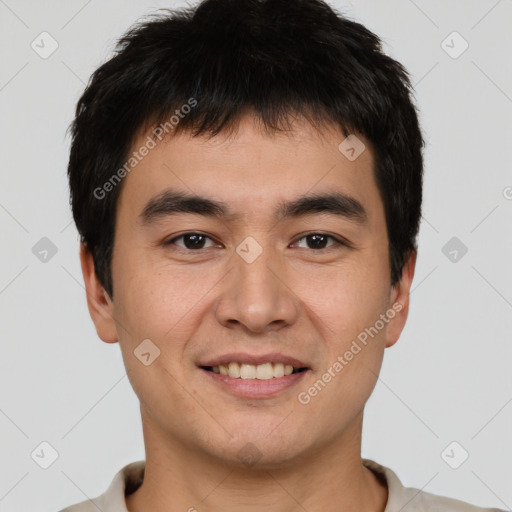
{"x": 447, "y": 379}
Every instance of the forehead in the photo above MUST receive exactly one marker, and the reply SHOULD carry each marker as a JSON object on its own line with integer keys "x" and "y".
{"x": 252, "y": 170}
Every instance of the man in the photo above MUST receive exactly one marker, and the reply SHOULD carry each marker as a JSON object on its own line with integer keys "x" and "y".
{"x": 246, "y": 178}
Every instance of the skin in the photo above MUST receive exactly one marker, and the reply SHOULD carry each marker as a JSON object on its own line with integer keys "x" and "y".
{"x": 294, "y": 298}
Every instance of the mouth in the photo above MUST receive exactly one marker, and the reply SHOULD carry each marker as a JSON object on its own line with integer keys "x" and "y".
{"x": 253, "y": 376}
{"x": 265, "y": 371}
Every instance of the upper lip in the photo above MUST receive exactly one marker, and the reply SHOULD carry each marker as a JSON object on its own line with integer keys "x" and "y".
{"x": 254, "y": 359}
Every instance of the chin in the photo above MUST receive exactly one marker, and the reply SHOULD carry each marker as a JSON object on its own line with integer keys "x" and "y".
{"x": 262, "y": 451}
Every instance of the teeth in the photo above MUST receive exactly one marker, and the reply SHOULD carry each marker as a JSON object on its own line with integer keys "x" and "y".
{"x": 247, "y": 371}
{"x": 278, "y": 370}
{"x": 263, "y": 371}
{"x": 234, "y": 370}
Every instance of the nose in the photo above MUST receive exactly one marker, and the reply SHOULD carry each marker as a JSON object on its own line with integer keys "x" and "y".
{"x": 256, "y": 295}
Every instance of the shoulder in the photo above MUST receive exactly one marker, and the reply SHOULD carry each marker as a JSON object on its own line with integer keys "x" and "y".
{"x": 127, "y": 479}
{"x": 85, "y": 506}
{"x": 410, "y": 499}
{"x": 425, "y": 501}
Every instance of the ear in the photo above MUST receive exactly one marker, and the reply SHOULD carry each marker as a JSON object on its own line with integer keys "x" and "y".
{"x": 101, "y": 308}
{"x": 399, "y": 301}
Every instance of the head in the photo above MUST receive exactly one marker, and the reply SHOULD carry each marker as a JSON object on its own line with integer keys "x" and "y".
{"x": 246, "y": 177}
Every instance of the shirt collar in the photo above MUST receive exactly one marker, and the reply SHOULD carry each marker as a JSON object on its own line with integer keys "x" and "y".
{"x": 130, "y": 477}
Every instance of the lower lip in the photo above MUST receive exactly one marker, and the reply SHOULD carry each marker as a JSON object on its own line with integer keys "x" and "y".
{"x": 255, "y": 388}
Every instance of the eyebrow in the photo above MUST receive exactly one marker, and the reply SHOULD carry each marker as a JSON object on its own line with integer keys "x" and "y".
{"x": 172, "y": 202}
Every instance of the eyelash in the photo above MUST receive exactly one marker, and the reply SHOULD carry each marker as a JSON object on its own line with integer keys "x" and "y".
{"x": 338, "y": 241}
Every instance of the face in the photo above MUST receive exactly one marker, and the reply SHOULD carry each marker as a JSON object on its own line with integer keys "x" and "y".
{"x": 265, "y": 275}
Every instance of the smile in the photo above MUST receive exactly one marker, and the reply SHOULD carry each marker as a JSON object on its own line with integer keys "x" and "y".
{"x": 263, "y": 371}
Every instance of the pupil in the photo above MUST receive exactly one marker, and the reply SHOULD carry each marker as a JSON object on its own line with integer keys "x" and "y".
{"x": 318, "y": 241}
{"x": 193, "y": 245}
{"x": 316, "y": 237}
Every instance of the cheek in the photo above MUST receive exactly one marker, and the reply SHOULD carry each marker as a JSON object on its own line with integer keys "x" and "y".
{"x": 147, "y": 298}
{"x": 154, "y": 314}
{"x": 346, "y": 299}
{"x": 162, "y": 304}
{"x": 349, "y": 307}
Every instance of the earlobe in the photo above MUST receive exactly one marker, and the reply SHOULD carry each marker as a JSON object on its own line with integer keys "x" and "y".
{"x": 399, "y": 301}
{"x": 101, "y": 308}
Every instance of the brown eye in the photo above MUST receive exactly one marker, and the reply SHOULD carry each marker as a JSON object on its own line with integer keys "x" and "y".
{"x": 318, "y": 241}
{"x": 191, "y": 241}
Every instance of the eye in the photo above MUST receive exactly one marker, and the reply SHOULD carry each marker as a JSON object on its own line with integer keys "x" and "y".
{"x": 195, "y": 241}
{"x": 191, "y": 241}
{"x": 318, "y": 240}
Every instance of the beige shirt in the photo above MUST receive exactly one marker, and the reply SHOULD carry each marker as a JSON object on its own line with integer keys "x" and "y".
{"x": 400, "y": 498}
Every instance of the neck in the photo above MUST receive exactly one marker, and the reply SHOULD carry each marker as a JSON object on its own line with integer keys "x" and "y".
{"x": 330, "y": 478}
